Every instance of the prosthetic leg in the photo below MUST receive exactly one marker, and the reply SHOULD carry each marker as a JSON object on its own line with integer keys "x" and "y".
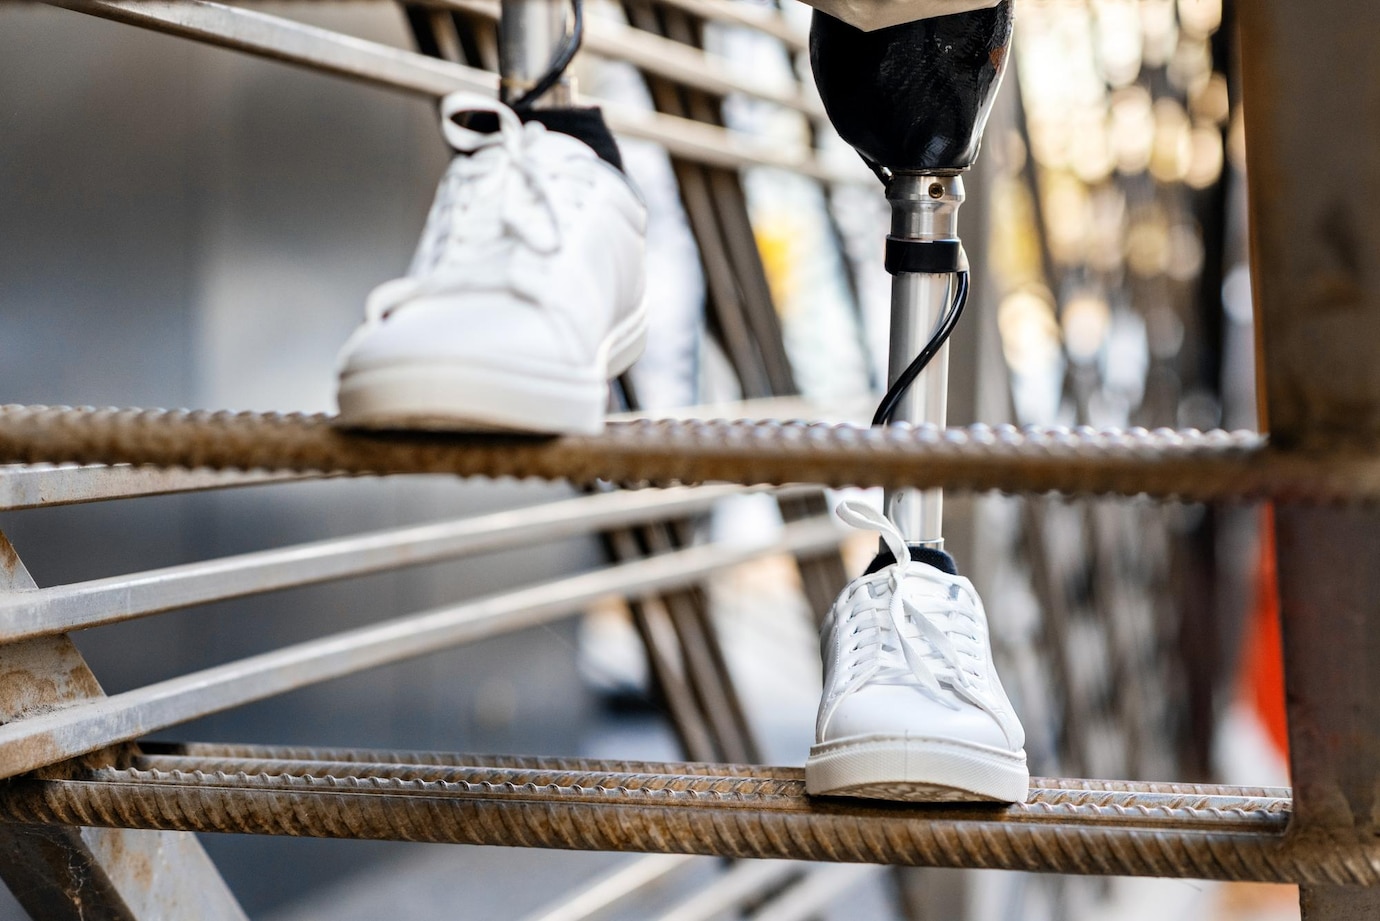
{"x": 913, "y": 101}
{"x": 912, "y": 707}
{"x": 525, "y": 295}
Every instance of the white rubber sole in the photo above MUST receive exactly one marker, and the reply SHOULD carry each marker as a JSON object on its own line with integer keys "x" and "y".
{"x": 916, "y": 770}
{"x": 484, "y": 395}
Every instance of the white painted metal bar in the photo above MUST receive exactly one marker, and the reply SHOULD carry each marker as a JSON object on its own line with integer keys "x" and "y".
{"x": 290, "y": 42}
{"x": 45, "y": 739}
{"x": 667, "y": 58}
{"x": 743, "y": 881}
{"x": 629, "y": 879}
{"x": 761, "y": 18}
{"x": 80, "y": 605}
{"x": 43, "y": 485}
{"x": 819, "y": 888}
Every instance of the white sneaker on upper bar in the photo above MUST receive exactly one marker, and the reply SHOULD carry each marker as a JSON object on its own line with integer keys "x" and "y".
{"x": 525, "y": 296}
{"x": 912, "y": 707}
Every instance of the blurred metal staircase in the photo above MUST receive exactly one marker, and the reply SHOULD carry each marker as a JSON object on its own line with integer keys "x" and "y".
{"x": 91, "y": 818}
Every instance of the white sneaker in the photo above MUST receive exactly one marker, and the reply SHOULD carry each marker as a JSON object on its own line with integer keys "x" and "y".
{"x": 524, "y": 297}
{"x": 912, "y": 707}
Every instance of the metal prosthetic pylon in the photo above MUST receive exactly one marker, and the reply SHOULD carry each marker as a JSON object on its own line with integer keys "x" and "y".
{"x": 925, "y": 259}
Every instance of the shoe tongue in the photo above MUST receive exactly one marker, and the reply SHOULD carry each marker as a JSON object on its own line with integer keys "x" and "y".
{"x": 927, "y": 555}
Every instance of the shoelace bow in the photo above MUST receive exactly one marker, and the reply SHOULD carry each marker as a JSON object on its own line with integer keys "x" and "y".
{"x": 469, "y": 250}
{"x": 931, "y": 658}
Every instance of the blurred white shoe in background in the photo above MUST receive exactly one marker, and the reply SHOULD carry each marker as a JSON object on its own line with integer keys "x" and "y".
{"x": 525, "y": 296}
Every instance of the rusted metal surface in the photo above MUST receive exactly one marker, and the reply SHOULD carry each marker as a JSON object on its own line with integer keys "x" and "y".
{"x": 79, "y": 605}
{"x": 1188, "y": 465}
{"x": 46, "y": 738}
{"x": 90, "y": 874}
{"x": 1064, "y": 826}
{"x": 1316, "y": 274}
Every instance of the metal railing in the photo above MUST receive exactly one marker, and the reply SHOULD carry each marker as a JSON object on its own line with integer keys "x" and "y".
{"x": 1319, "y": 463}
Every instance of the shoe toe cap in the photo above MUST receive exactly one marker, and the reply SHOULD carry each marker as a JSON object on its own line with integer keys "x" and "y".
{"x": 488, "y": 328}
{"x": 893, "y": 710}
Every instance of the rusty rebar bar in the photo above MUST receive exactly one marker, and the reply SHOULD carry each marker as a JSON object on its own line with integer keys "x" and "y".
{"x": 1187, "y": 465}
{"x": 1086, "y": 827}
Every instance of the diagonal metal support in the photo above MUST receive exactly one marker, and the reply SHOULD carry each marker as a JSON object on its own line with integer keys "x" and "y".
{"x": 69, "y": 872}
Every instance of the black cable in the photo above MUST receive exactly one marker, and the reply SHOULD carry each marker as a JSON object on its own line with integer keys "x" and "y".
{"x": 887, "y": 408}
{"x": 564, "y": 54}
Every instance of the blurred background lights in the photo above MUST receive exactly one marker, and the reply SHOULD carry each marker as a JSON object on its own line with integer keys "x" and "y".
{"x": 1086, "y": 320}
{"x": 1029, "y": 332}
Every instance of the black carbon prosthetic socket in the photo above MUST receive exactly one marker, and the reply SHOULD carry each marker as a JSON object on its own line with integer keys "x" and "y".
{"x": 913, "y": 97}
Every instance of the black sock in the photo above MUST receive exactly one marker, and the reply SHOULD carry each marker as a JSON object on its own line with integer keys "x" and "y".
{"x": 586, "y": 125}
{"x": 929, "y": 555}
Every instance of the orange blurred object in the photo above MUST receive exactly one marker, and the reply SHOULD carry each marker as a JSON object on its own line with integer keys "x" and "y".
{"x": 1263, "y": 672}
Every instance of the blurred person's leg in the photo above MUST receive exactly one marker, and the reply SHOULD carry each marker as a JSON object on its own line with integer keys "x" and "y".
{"x": 912, "y": 707}
{"x": 525, "y": 296}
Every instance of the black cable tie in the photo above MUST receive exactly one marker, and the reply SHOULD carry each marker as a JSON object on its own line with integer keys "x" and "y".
{"x": 930, "y": 257}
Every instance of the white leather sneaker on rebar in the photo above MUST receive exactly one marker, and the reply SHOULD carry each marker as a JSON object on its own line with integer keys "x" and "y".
{"x": 523, "y": 300}
{"x": 912, "y": 707}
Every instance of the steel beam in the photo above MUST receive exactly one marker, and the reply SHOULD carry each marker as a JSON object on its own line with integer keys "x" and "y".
{"x": 46, "y": 738}
{"x": 80, "y": 605}
{"x": 1312, "y": 124}
{"x": 91, "y": 874}
{"x": 44, "y": 486}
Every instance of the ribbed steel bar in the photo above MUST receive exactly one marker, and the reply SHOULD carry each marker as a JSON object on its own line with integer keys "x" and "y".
{"x": 1063, "y": 827}
{"x": 45, "y": 486}
{"x": 324, "y": 51}
{"x": 40, "y": 740}
{"x": 1187, "y": 465}
{"x": 1049, "y": 793}
{"x": 81, "y": 605}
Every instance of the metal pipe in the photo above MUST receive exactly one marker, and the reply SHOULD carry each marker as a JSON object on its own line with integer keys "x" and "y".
{"x": 530, "y": 34}
{"x": 28, "y": 744}
{"x": 81, "y": 605}
{"x": 628, "y": 880}
{"x": 924, "y": 208}
{"x": 322, "y": 50}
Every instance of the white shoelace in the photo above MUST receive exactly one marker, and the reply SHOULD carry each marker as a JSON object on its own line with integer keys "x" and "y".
{"x": 931, "y": 655}
{"x": 497, "y": 195}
